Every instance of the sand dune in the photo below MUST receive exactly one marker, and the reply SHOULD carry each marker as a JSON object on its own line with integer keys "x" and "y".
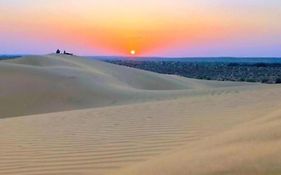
{"x": 138, "y": 122}
{"x": 40, "y": 84}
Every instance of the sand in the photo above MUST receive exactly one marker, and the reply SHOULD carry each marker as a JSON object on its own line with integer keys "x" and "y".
{"x": 69, "y": 115}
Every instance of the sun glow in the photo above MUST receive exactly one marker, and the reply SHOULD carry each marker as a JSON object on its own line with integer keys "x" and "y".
{"x": 133, "y": 52}
{"x": 142, "y": 28}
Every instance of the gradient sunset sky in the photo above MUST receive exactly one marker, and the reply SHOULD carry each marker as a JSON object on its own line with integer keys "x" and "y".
{"x": 150, "y": 27}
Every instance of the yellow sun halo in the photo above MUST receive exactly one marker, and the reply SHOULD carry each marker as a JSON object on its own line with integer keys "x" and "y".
{"x": 133, "y": 52}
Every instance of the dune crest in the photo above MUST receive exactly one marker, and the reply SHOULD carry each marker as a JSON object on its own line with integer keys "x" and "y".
{"x": 56, "y": 83}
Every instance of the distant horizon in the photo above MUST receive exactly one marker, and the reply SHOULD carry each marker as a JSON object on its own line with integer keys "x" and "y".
{"x": 136, "y": 57}
{"x": 154, "y": 56}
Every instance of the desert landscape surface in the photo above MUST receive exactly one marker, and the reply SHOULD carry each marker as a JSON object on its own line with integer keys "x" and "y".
{"x": 70, "y": 115}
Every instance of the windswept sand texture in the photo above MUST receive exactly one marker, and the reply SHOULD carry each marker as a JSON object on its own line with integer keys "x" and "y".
{"x": 136, "y": 122}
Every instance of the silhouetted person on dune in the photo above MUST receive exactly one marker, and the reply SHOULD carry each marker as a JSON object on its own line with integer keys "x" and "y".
{"x": 58, "y": 51}
{"x": 66, "y": 53}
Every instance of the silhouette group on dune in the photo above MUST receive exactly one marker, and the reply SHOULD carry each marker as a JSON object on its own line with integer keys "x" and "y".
{"x": 64, "y": 52}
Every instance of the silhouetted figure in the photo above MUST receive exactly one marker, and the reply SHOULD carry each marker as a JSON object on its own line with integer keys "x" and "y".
{"x": 66, "y": 53}
{"x": 58, "y": 51}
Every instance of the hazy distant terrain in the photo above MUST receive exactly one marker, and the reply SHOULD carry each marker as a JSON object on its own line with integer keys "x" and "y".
{"x": 227, "y": 70}
{"x": 7, "y": 57}
{"x": 194, "y": 59}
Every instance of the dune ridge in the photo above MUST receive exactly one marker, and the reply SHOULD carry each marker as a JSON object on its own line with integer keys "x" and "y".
{"x": 54, "y": 83}
{"x": 132, "y": 125}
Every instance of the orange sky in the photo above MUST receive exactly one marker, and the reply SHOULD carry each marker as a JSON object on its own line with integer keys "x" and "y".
{"x": 115, "y": 27}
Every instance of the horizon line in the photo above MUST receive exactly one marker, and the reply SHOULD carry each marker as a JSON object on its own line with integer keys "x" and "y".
{"x": 174, "y": 57}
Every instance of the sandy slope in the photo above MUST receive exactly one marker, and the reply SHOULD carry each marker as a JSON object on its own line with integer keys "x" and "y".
{"x": 174, "y": 126}
{"x": 40, "y": 84}
{"x": 252, "y": 148}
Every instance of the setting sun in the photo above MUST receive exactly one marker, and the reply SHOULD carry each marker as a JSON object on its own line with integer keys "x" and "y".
{"x": 133, "y": 52}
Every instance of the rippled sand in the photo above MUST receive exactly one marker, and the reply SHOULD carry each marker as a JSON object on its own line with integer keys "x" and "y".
{"x": 76, "y": 116}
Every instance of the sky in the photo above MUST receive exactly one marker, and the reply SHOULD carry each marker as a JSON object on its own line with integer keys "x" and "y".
{"x": 172, "y": 28}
